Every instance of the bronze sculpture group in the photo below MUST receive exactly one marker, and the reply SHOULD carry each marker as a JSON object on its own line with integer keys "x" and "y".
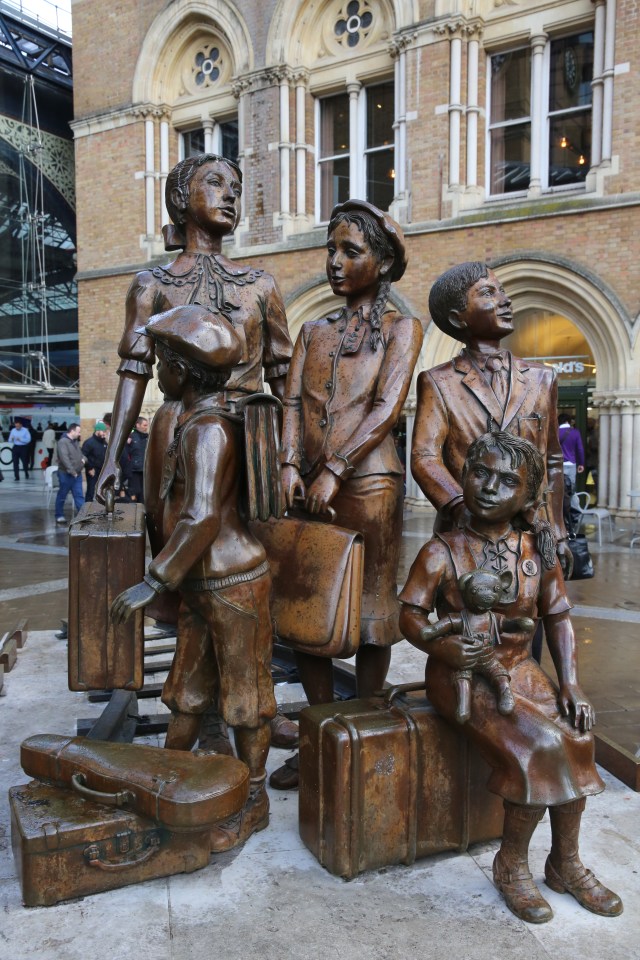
{"x": 485, "y": 449}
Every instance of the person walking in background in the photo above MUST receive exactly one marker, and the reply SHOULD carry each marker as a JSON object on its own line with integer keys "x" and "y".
{"x": 21, "y": 440}
{"x": 94, "y": 450}
{"x": 49, "y": 441}
{"x": 572, "y": 449}
{"x": 70, "y": 464}
{"x": 137, "y": 449}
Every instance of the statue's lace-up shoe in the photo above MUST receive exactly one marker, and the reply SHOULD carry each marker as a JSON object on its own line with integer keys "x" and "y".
{"x": 253, "y": 817}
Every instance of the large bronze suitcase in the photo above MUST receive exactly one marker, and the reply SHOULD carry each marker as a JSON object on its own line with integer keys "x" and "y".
{"x": 106, "y": 555}
{"x": 67, "y": 847}
{"x": 386, "y": 780}
{"x": 324, "y": 621}
{"x": 180, "y": 789}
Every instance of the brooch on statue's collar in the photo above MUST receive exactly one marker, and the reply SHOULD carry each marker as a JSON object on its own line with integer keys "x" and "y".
{"x": 354, "y": 337}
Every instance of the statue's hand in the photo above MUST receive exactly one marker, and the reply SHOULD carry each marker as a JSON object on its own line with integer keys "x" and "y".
{"x": 458, "y": 652}
{"x": 321, "y": 492}
{"x": 566, "y": 558}
{"x": 134, "y": 598}
{"x": 573, "y": 702}
{"x": 293, "y": 485}
{"x": 109, "y": 474}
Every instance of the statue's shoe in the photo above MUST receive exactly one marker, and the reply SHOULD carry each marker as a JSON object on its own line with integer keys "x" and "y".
{"x": 284, "y": 732}
{"x": 520, "y": 893}
{"x": 587, "y": 889}
{"x": 253, "y": 817}
{"x": 286, "y": 777}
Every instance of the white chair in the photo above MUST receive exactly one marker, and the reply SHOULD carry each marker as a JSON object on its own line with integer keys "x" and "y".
{"x": 49, "y": 477}
{"x": 598, "y": 514}
{"x": 634, "y": 496}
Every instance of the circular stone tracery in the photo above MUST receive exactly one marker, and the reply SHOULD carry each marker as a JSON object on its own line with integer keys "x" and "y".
{"x": 354, "y": 23}
{"x": 207, "y": 66}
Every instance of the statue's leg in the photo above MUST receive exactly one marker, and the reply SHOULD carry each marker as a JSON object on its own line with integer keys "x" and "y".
{"x": 252, "y": 746}
{"x": 564, "y": 871}
{"x": 462, "y": 683}
{"x": 316, "y": 676}
{"x": 372, "y": 666}
{"x": 182, "y": 731}
{"x": 511, "y": 872}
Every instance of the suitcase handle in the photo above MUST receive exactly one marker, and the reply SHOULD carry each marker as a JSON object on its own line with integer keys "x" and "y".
{"x": 92, "y": 856}
{"x": 393, "y": 692}
{"x": 109, "y": 500}
{"x": 120, "y": 799}
{"x": 329, "y": 512}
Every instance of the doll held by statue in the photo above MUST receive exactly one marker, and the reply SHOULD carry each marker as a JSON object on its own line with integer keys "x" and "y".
{"x": 480, "y": 627}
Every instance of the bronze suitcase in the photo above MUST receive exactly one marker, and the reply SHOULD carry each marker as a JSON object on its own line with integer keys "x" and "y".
{"x": 386, "y": 780}
{"x": 323, "y": 621}
{"x": 106, "y": 555}
{"x": 67, "y": 847}
{"x": 180, "y": 789}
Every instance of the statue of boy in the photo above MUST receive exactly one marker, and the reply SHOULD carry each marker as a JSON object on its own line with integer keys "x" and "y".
{"x": 224, "y": 640}
{"x": 484, "y": 389}
{"x": 542, "y": 753}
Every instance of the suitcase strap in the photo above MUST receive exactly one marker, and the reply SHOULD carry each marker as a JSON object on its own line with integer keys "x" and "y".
{"x": 357, "y": 839}
{"x": 389, "y": 696}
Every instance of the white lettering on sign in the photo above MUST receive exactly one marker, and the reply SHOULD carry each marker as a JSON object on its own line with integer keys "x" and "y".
{"x": 569, "y": 366}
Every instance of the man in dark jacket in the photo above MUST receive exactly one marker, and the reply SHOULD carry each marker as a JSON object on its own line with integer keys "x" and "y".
{"x": 137, "y": 447}
{"x": 70, "y": 464}
{"x": 94, "y": 450}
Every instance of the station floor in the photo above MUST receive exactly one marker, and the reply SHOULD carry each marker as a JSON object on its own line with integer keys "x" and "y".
{"x": 271, "y": 899}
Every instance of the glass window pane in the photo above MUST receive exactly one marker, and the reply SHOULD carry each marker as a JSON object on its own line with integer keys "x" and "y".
{"x": 510, "y": 85}
{"x": 193, "y": 142}
{"x": 510, "y": 158}
{"x": 334, "y": 185}
{"x": 569, "y": 148}
{"x": 334, "y": 125}
{"x": 571, "y": 72}
{"x": 229, "y": 139}
{"x": 380, "y": 178}
{"x": 380, "y": 110}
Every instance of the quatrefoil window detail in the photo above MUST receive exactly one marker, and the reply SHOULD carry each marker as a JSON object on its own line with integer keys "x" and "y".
{"x": 354, "y": 23}
{"x": 207, "y": 66}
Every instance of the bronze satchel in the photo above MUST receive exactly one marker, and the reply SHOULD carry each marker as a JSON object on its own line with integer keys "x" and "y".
{"x": 317, "y": 584}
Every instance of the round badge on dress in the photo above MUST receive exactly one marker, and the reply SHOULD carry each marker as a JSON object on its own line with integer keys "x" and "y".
{"x": 529, "y": 567}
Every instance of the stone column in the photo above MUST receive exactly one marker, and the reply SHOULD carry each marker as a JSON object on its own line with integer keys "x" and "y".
{"x": 597, "y": 83}
{"x": 208, "y": 126}
{"x": 538, "y": 44}
{"x": 164, "y": 167}
{"x": 626, "y": 453}
{"x": 473, "y": 109}
{"x": 455, "y": 109}
{"x": 604, "y": 438}
{"x": 301, "y": 80}
{"x": 607, "y": 74}
{"x": 635, "y": 469}
{"x": 353, "y": 89}
{"x": 240, "y": 89}
{"x": 614, "y": 456}
{"x": 149, "y": 177}
{"x": 285, "y": 148}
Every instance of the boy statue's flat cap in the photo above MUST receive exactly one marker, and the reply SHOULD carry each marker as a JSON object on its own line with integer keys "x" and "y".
{"x": 197, "y": 334}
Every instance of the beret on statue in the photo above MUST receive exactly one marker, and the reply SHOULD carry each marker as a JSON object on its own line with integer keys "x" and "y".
{"x": 389, "y": 226}
{"x": 197, "y": 334}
